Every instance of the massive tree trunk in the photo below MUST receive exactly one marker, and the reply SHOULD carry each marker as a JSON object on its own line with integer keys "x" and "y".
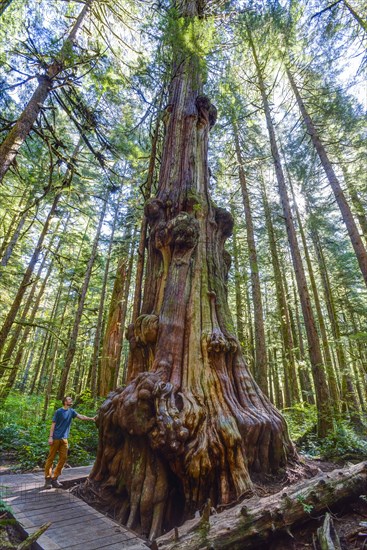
{"x": 191, "y": 423}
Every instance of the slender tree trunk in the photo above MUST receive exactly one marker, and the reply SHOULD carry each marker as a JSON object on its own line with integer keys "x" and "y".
{"x": 15, "y": 336}
{"x": 9, "y": 148}
{"x": 359, "y": 209}
{"x": 324, "y": 408}
{"x": 124, "y": 313}
{"x": 279, "y": 399}
{"x": 113, "y": 337}
{"x": 144, "y": 223}
{"x": 362, "y": 22}
{"x": 332, "y": 382}
{"x": 11, "y": 240}
{"x": 97, "y": 337}
{"x": 191, "y": 412}
{"x": 53, "y": 319}
{"x": 5, "y": 329}
{"x": 42, "y": 357}
{"x": 348, "y": 391}
{"x": 347, "y": 215}
{"x": 50, "y": 380}
{"x": 291, "y": 383}
{"x": 3, "y": 5}
{"x": 25, "y": 377}
{"x": 307, "y": 390}
{"x": 250, "y": 348}
{"x": 237, "y": 282}
{"x": 260, "y": 366}
{"x": 83, "y": 293}
{"x": 113, "y": 332}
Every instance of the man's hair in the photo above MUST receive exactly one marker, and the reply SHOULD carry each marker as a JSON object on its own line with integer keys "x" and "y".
{"x": 64, "y": 399}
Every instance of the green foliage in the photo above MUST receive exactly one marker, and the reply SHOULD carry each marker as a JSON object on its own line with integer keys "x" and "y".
{"x": 306, "y": 507}
{"x": 5, "y": 510}
{"x": 300, "y": 419}
{"x": 190, "y": 37}
{"x": 24, "y": 434}
{"x": 4, "y": 507}
{"x": 343, "y": 442}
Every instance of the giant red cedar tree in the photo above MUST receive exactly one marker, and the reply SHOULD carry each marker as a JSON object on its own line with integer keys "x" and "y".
{"x": 191, "y": 423}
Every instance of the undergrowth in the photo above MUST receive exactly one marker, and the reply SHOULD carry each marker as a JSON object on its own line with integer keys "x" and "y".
{"x": 24, "y": 435}
{"x": 342, "y": 443}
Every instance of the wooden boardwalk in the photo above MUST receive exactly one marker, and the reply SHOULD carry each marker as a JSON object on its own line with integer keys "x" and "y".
{"x": 75, "y": 525}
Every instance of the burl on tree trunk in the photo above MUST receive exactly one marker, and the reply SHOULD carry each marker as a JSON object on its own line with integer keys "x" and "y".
{"x": 191, "y": 423}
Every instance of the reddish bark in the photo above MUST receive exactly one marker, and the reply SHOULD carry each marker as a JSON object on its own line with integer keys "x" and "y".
{"x": 191, "y": 423}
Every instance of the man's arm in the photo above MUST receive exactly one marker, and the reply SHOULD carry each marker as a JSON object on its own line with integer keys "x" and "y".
{"x": 51, "y": 436}
{"x": 82, "y": 417}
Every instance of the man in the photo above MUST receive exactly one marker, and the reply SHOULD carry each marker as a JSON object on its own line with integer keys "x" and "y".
{"x": 58, "y": 440}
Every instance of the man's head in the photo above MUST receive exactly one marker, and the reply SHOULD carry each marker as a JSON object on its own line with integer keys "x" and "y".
{"x": 67, "y": 401}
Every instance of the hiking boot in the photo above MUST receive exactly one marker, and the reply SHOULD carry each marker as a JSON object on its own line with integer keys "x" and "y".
{"x": 56, "y": 484}
{"x": 48, "y": 483}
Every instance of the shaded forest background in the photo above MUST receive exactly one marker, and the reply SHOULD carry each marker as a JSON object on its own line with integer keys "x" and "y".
{"x": 286, "y": 78}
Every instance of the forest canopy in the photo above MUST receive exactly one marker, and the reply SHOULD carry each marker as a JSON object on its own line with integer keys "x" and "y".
{"x": 220, "y": 279}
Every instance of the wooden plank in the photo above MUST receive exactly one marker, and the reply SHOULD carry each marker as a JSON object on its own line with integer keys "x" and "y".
{"x": 57, "y": 515}
{"x": 130, "y": 546}
{"x": 38, "y": 504}
{"x": 75, "y": 524}
{"x": 69, "y": 536}
{"x": 101, "y": 543}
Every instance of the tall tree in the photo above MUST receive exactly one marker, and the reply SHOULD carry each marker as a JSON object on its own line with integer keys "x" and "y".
{"x": 9, "y": 320}
{"x": 347, "y": 215}
{"x": 324, "y": 423}
{"x": 291, "y": 383}
{"x": 70, "y": 353}
{"x": 260, "y": 367}
{"x": 191, "y": 411}
{"x": 13, "y": 141}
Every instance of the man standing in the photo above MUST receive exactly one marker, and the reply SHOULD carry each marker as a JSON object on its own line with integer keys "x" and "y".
{"x": 58, "y": 440}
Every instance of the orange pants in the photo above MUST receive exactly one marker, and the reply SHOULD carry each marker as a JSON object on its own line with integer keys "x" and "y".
{"x": 58, "y": 446}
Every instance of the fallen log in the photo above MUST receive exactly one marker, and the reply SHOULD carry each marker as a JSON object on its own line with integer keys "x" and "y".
{"x": 27, "y": 543}
{"x": 327, "y": 536}
{"x": 252, "y": 522}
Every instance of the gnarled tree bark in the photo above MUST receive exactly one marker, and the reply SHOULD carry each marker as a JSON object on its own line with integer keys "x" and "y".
{"x": 191, "y": 423}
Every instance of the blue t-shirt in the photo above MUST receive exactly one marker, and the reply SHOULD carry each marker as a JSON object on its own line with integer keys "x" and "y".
{"x": 63, "y": 418}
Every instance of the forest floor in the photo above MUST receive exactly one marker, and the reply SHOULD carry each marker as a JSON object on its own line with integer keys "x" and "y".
{"x": 347, "y": 518}
{"x": 350, "y": 519}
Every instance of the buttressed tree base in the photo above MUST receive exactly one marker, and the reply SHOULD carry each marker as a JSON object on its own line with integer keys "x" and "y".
{"x": 191, "y": 424}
